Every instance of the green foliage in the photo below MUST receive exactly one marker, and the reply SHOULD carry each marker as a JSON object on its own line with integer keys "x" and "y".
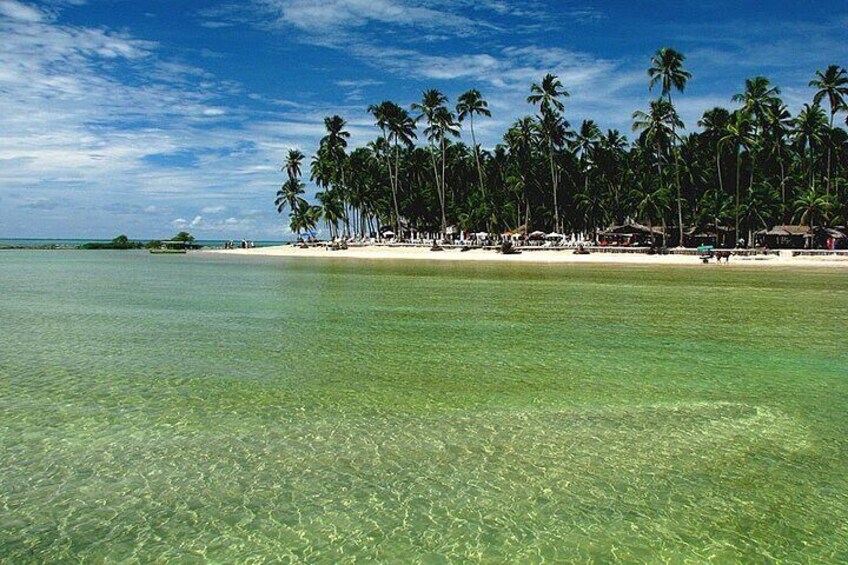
{"x": 184, "y": 236}
{"x": 748, "y": 167}
{"x": 120, "y": 242}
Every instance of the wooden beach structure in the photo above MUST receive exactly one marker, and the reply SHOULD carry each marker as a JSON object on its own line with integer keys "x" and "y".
{"x": 632, "y": 235}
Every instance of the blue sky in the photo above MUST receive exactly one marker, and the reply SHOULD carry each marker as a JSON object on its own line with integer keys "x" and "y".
{"x": 148, "y": 116}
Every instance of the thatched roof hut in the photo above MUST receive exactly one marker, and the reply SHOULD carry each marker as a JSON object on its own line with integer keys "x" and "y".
{"x": 786, "y": 237}
{"x": 631, "y": 234}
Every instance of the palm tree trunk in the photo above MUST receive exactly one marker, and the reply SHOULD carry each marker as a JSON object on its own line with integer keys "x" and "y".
{"x": 479, "y": 171}
{"x": 782, "y": 184}
{"x": 444, "y": 186}
{"x": 439, "y": 191}
{"x": 554, "y": 183}
{"x": 738, "y": 175}
{"x": 679, "y": 200}
{"x": 395, "y": 190}
{"x": 829, "y": 149}
{"x": 477, "y": 157}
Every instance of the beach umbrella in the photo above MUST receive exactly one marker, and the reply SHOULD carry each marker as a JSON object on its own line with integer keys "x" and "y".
{"x": 482, "y": 235}
{"x": 388, "y": 234}
{"x": 554, "y": 235}
{"x": 537, "y": 235}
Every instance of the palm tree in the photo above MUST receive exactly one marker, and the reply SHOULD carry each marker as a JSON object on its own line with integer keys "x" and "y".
{"x": 547, "y": 96}
{"x": 469, "y": 104}
{"x": 612, "y": 165}
{"x": 652, "y": 204}
{"x": 714, "y": 123}
{"x": 294, "y": 160}
{"x": 398, "y": 128}
{"x": 811, "y": 206}
{"x": 431, "y": 100}
{"x": 332, "y": 210}
{"x": 777, "y": 124}
{"x": 718, "y": 208}
{"x": 521, "y": 138}
{"x": 667, "y": 68}
{"x": 759, "y": 206}
{"x": 584, "y": 144}
{"x": 289, "y": 193}
{"x": 657, "y": 127}
{"x": 444, "y": 124}
{"x": 758, "y": 95}
{"x": 305, "y": 218}
{"x": 332, "y": 156}
{"x": 832, "y": 83}
{"x": 381, "y": 113}
{"x": 738, "y": 134}
{"x": 810, "y": 125}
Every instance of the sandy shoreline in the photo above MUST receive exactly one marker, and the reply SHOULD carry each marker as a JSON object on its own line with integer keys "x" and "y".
{"x": 537, "y": 256}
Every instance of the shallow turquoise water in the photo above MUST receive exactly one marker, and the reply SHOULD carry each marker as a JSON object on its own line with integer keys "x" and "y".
{"x": 201, "y": 408}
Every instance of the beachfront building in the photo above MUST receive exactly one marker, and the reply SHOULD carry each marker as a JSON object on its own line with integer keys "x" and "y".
{"x": 721, "y": 237}
{"x": 785, "y": 237}
{"x": 632, "y": 235}
{"x": 803, "y": 237}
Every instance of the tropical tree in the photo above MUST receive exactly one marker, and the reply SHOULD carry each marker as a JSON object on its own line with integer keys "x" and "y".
{"x": 657, "y": 127}
{"x": 521, "y": 139}
{"x": 289, "y": 195}
{"x": 305, "y": 218}
{"x": 667, "y": 69}
{"x": 444, "y": 124}
{"x": 738, "y": 135}
{"x": 714, "y": 124}
{"x": 548, "y": 96}
{"x": 778, "y": 124}
{"x": 398, "y": 129}
{"x": 811, "y": 206}
{"x": 832, "y": 83}
{"x": 431, "y": 101}
{"x": 469, "y": 104}
{"x": 758, "y": 96}
{"x": 584, "y": 146}
{"x": 810, "y": 126}
{"x": 751, "y": 167}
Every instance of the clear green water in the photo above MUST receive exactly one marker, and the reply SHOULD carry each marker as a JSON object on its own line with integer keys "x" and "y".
{"x": 208, "y": 409}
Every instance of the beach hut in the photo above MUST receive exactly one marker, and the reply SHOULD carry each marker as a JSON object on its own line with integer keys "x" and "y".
{"x": 785, "y": 237}
{"x": 834, "y": 239}
{"x": 632, "y": 234}
{"x": 721, "y": 237}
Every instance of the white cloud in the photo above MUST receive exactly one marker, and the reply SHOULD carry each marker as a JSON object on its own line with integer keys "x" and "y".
{"x": 333, "y": 15}
{"x": 214, "y": 209}
{"x": 19, "y": 11}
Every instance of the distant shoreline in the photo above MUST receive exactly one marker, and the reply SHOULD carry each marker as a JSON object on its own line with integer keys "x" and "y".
{"x": 546, "y": 256}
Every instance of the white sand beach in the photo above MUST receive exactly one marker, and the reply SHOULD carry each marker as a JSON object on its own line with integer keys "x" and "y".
{"x": 388, "y": 252}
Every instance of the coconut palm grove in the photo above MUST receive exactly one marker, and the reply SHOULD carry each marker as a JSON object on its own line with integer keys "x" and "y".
{"x": 739, "y": 169}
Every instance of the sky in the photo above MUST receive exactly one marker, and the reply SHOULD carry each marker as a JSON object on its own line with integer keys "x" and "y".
{"x": 147, "y": 117}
